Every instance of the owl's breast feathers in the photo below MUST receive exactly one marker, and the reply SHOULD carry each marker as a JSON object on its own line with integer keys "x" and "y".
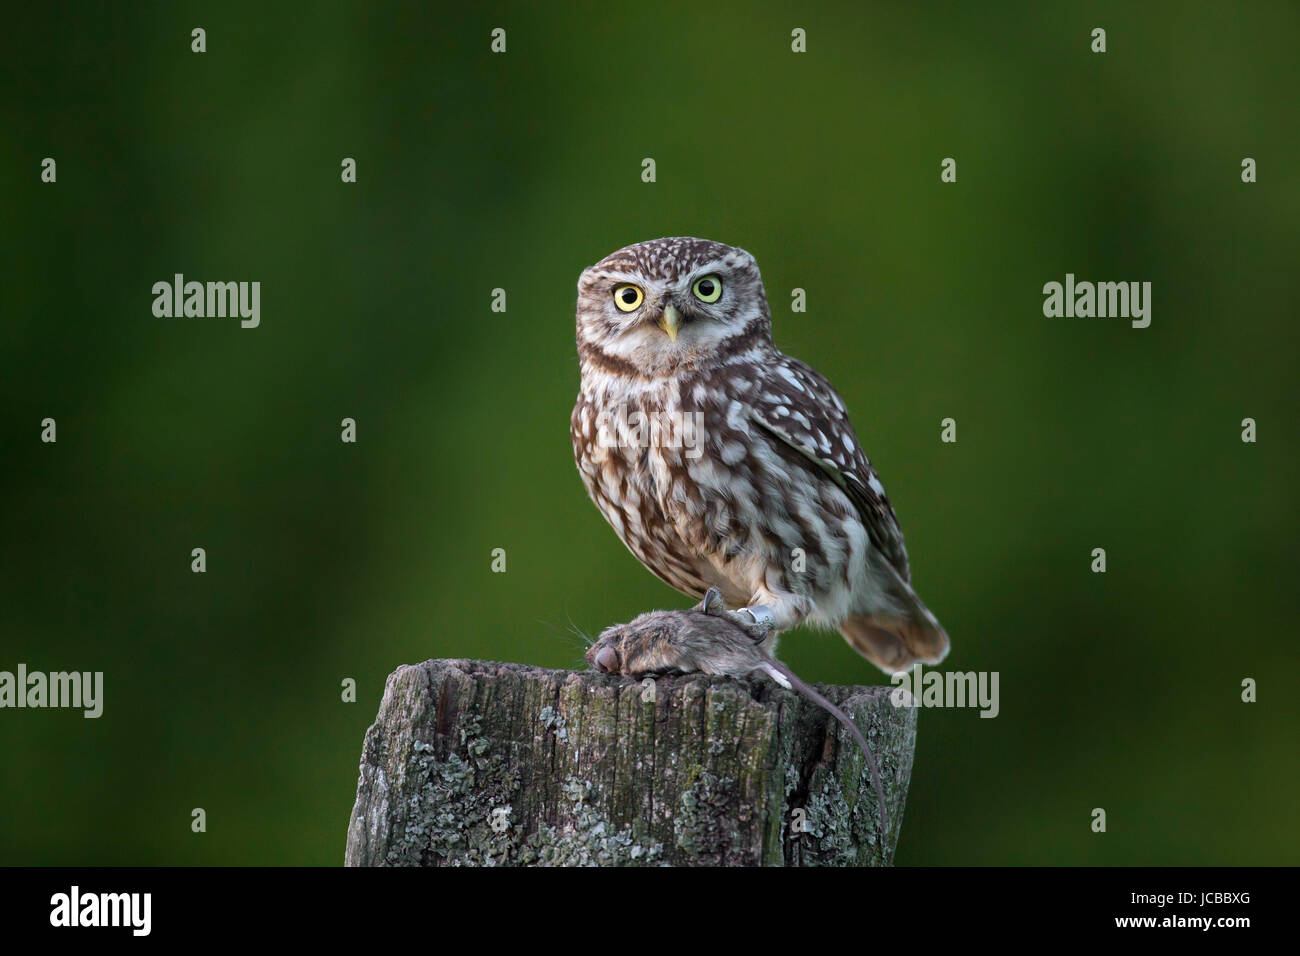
{"x": 638, "y": 482}
{"x": 774, "y": 466}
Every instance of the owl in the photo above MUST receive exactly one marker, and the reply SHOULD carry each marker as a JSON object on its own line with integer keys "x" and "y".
{"x": 722, "y": 462}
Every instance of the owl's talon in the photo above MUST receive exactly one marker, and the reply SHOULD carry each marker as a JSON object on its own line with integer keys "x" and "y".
{"x": 756, "y": 620}
{"x": 712, "y": 603}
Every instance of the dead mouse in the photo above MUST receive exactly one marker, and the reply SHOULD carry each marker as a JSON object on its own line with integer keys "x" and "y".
{"x": 712, "y": 640}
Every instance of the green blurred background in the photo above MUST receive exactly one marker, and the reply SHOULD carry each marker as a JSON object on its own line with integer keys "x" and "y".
{"x": 475, "y": 171}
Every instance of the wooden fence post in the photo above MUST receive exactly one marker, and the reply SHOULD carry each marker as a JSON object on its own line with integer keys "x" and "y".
{"x": 482, "y": 763}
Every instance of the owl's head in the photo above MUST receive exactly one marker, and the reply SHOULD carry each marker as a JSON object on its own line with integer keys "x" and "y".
{"x": 668, "y": 305}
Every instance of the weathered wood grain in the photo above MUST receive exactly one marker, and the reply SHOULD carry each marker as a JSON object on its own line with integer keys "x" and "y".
{"x": 481, "y": 763}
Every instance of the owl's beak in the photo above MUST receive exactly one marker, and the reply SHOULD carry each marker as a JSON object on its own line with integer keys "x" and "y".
{"x": 670, "y": 321}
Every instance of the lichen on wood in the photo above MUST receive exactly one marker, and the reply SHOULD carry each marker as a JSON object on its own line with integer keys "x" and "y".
{"x": 482, "y": 763}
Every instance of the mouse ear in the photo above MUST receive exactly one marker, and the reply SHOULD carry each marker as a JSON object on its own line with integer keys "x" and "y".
{"x": 712, "y": 603}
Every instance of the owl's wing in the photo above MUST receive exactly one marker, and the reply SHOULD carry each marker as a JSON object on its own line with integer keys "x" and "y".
{"x": 799, "y": 407}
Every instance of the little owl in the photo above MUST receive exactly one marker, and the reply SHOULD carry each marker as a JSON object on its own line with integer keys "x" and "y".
{"x": 722, "y": 462}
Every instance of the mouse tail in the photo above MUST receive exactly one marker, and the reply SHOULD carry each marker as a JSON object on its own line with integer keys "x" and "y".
{"x": 790, "y": 680}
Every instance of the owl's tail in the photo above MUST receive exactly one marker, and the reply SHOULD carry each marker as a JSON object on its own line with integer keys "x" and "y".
{"x": 895, "y": 644}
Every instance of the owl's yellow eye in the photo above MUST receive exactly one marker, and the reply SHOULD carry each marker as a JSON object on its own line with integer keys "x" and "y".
{"x": 708, "y": 288}
{"x": 627, "y": 298}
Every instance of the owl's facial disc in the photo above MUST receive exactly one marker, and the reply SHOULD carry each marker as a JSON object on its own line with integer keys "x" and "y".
{"x": 670, "y": 321}
{"x": 656, "y": 308}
